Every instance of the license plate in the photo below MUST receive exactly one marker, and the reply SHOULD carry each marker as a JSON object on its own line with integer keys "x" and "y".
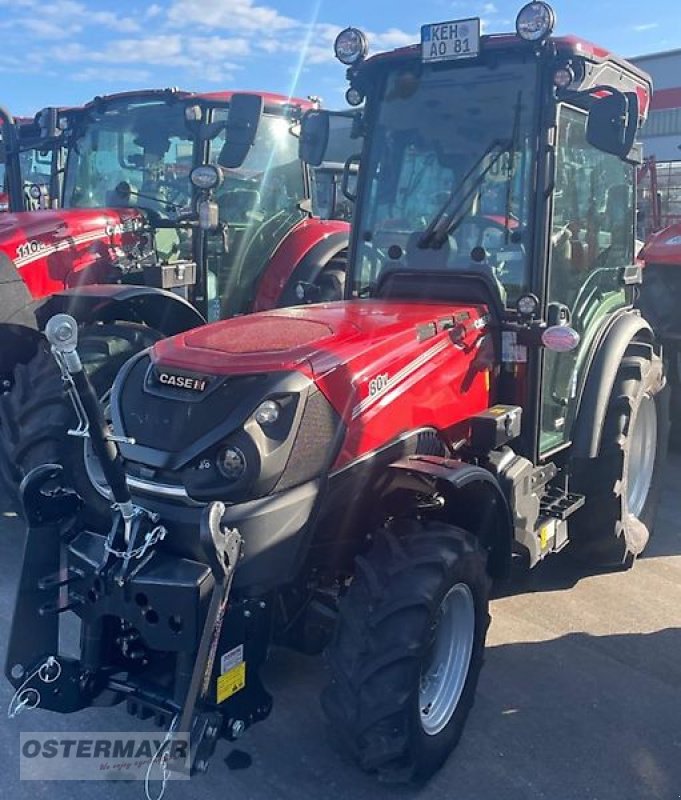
{"x": 448, "y": 41}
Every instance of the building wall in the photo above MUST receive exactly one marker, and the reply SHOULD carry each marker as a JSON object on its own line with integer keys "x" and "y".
{"x": 661, "y": 134}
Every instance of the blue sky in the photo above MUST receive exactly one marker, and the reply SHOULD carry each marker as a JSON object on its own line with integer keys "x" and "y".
{"x": 64, "y": 52}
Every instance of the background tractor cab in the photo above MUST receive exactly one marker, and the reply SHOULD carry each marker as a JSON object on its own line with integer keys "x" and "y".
{"x": 137, "y": 151}
{"x": 165, "y": 209}
{"x": 25, "y": 164}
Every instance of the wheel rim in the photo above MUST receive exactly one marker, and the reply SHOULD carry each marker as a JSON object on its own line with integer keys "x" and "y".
{"x": 444, "y": 676}
{"x": 642, "y": 452}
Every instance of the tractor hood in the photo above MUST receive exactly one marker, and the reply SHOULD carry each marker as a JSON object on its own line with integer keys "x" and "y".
{"x": 347, "y": 378}
{"x": 55, "y": 250}
{"x": 353, "y": 337}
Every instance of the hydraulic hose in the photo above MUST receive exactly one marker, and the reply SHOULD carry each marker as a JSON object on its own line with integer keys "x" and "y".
{"x": 62, "y": 334}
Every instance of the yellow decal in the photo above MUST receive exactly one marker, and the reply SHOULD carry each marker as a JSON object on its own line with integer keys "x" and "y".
{"x": 231, "y": 682}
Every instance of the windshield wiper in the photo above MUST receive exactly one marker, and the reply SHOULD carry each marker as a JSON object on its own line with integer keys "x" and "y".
{"x": 449, "y": 217}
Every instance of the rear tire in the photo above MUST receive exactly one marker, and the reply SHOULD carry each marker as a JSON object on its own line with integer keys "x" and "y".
{"x": 390, "y": 626}
{"x": 36, "y": 414}
{"x": 622, "y": 486}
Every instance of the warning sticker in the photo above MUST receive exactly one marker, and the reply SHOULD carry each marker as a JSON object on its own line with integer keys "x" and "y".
{"x": 230, "y": 659}
{"x": 511, "y": 351}
{"x": 231, "y": 682}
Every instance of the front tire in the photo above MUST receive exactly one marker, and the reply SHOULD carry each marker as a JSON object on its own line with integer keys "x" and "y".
{"x": 622, "y": 485}
{"x": 36, "y": 414}
{"x": 408, "y": 648}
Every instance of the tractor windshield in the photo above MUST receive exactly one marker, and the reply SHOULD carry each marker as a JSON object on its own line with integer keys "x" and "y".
{"x": 260, "y": 201}
{"x": 136, "y": 153}
{"x": 449, "y": 174}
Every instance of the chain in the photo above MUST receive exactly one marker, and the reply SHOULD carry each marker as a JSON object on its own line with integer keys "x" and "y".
{"x": 152, "y": 537}
{"x": 163, "y": 763}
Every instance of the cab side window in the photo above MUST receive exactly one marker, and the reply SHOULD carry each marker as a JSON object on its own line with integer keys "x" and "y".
{"x": 592, "y": 238}
{"x": 592, "y": 233}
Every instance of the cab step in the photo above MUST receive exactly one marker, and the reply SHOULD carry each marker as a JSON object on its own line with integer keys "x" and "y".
{"x": 559, "y": 504}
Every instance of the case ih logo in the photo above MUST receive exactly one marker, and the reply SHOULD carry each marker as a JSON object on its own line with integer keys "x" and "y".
{"x": 189, "y": 382}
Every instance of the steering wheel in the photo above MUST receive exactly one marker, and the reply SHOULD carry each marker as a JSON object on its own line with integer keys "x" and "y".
{"x": 178, "y": 191}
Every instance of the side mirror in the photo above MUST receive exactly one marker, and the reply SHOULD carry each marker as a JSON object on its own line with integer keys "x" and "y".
{"x": 613, "y": 122}
{"x": 245, "y": 111}
{"x": 48, "y": 122}
{"x": 314, "y": 137}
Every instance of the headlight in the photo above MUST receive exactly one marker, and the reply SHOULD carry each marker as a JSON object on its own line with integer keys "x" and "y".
{"x": 354, "y": 97}
{"x": 231, "y": 463}
{"x": 563, "y": 77}
{"x": 535, "y": 21}
{"x": 527, "y": 305}
{"x": 267, "y": 413}
{"x": 350, "y": 46}
{"x": 205, "y": 177}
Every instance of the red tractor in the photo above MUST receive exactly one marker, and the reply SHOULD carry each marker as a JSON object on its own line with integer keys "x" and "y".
{"x": 660, "y": 297}
{"x": 25, "y": 164}
{"x": 167, "y": 209}
{"x": 355, "y": 474}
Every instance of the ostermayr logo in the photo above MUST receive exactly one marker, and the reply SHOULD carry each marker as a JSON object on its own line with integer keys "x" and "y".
{"x": 103, "y": 756}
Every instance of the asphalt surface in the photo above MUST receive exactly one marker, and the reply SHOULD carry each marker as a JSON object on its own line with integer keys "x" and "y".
{"x": 580, "y": 697}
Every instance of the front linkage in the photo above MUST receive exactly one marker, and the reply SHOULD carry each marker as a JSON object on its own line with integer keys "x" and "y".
{"x": 152, "y": 621}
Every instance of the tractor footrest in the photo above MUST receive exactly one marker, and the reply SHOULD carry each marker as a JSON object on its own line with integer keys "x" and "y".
{"x": 560, "y": 504}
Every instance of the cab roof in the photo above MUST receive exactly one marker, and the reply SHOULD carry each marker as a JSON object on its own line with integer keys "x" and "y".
{"x": 271, "y": 100}
{"x": 565, "y": 46}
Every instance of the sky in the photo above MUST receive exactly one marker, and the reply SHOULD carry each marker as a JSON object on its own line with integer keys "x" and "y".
{"x": 65, "y": 52}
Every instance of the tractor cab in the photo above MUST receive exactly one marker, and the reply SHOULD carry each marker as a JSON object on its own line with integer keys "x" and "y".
{"x": 216, "y": 179}
{"x": 499, "y": 169}
{"x": 26, "y": 164}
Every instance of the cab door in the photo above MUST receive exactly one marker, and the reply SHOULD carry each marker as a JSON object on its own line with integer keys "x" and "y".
{"x": 592, "y": 241}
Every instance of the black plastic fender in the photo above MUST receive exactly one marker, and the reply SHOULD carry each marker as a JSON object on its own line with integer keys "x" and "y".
{"x": 18, "y": 327}
{"x": 311, "y": 265}
{"x": 473, "y": 499}
{"x": 605, "y": 361}
{"x": 161, "y": 310}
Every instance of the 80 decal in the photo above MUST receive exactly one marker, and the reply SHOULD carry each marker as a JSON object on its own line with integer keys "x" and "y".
{"x": 378, "y": 384}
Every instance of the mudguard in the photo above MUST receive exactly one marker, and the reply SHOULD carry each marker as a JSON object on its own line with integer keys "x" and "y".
{"x": 17, "y": 306}
{"x": 18, "y": 326}
{"x": 161, "y": 310}
{"x": 605, "y": 361}
{"x": 473, "y": 498}
{"x": 310, "y": 267}
{"x": 300, "y": 256}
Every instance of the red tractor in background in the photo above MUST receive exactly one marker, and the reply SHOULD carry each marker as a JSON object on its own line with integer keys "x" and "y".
{"x": 25, "y": 164}
{"x": 356, "y": 473}
{"x": 659, "y": 195}
{"x": 659, "y": 226}
{"x": 166, "y": 209}
{"x": 660, "y": 301}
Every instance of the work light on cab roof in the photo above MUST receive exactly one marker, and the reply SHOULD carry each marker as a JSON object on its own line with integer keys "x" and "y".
{"x": 351, "y": 46}
{"x": 535, "y": 22}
